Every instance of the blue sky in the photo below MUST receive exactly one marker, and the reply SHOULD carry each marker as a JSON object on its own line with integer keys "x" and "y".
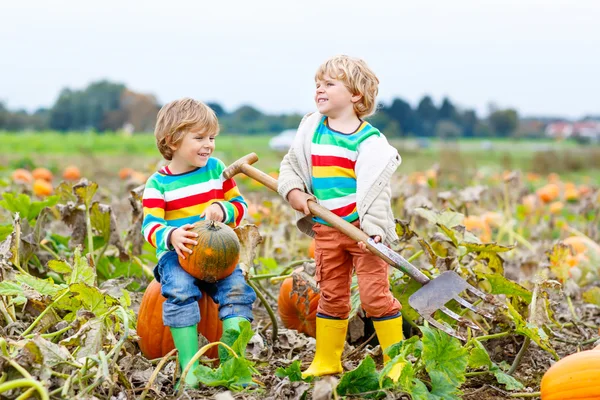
{"x": 541, "y": 57}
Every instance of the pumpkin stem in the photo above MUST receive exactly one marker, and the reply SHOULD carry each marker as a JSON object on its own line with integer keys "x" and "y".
{"x": 264, "y": 302}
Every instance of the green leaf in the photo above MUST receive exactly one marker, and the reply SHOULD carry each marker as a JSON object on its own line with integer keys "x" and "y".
{"x": 9, "y": 288}
{"x": 449, "y": 219}
{"x": 235, "y": 373}
{"x": 5, "y": 230}
{"x": 558, "y": 261}
{"x": 510, "y": 382}
{"x": 479, "y": 357}
{"x": 239, "y": 339}
{"x": 100, "y": 219}
{"x": 443, "y": 386}
{"x": 293, "y": 372}
{"x": 60, "y": 266}
{"x": 362, "y": 379}
{"x": 92, "y": 299}
{"x": 45, "y": 287}
{"x": 533, "y": 332}
{"x": 85, "y": 192}
{"x": 501, "y": 285}
{"x": 402, "y": 292}
{"x": 592, "y": 296}
{"x": 444, "y": 354}
{"x": 22, "y": 204}
{"x": 82, "y": 271}
{"x": 407, "y": 373}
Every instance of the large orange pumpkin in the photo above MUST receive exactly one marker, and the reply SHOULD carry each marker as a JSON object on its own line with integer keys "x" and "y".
{"x": 216, "y": 254}
{"x": 575, "y": 377}
{"x": 298, "y": 312}
{"x": 156, "y": 339}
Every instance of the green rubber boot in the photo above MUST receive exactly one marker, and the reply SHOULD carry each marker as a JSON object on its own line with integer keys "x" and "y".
{"x": 186, "y": 342}
{"x": 231, "y": 323}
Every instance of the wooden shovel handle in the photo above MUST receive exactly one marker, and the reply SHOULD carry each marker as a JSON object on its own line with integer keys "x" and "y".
{"x": 316, "y": 209}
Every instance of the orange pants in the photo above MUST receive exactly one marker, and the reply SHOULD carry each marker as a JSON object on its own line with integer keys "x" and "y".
{"x": 337, "y": 256}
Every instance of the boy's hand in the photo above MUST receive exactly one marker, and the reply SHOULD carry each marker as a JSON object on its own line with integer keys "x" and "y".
{"x": 180, "y": 237}
{"x": 299, "y": 200}
{"x": 363, "y": 246}
{"x": 214, "y": 212}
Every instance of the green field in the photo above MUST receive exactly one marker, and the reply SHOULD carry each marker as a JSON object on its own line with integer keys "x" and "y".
{"x": 113, "y": 151}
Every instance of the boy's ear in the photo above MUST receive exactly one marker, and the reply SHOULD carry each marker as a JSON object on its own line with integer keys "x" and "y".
{"x": 356, "y": 98}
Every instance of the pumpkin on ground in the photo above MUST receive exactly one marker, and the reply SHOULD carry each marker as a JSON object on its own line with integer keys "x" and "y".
{"x": 311, "y": 249}
{"x": 298, "y": 312}
{"x": 125, "y": 173}
{"x": 156, "y": 339}
{"x": 21, "y": 175}
{"x": 42, "y": 188}
{"x": 42, "y": 173}
{"x": 217, "y": 253}
{"x": 72, "y": 173}
{"x": 575, "y": 377}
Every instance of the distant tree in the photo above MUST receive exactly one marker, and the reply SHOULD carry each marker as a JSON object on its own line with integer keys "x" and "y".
{"x": 403, "y": 113}
{"x": 468, "y": 122}
{"x": 504, "y": 122}
{"x": 216, "y": 107}
{"x": 85, "y": 109}
{"x": 428, "y": 115}
{"x": 448, "y": 111}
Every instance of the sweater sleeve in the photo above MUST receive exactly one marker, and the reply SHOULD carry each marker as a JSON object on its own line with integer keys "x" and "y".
{"x": 234, "y": 205}
{"x": 154, "y": 226}
{"x": 376, "y": 220}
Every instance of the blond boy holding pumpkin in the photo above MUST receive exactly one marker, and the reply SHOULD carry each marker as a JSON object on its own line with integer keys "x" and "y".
{"x": 191, "y": 188}
{"x": 346, "y": 164}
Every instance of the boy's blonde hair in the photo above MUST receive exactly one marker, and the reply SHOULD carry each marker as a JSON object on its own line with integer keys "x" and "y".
{"x": 177, "y": 118}
{"x": 358, "y": 79}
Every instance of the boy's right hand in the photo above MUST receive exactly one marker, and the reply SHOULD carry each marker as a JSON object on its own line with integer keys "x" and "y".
{"x": 299, "y": 200}
{"x": 180, "y": 237}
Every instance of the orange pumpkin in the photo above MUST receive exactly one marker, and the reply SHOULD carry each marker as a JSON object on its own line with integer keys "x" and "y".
{"x": 575, "y": 377}
{"x": 582, "y": 244}
{"x": 125, "y": 173}
{"x": 217, "y": 253}
{"x": 42, "y": 173}
{"x": 311, "y": 249}
{"x": 298, "y": 312}
{"x": 22, "y": 176}
{"x": 156, "y": 339}
{"x": 42, "y": 188}
{"x": 72, "y": 173}
{"x": 548, "y": 193}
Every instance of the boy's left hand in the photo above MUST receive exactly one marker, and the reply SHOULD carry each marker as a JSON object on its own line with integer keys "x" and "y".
{"x": 214, "y": 212}
{"x": 363, "y": 246}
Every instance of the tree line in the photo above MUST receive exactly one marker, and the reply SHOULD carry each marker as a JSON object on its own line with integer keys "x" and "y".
{"x": 106, "y": 106}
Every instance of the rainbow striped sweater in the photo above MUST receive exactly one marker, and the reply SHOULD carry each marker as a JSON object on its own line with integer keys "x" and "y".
{"x": 333, "y": 156}
{"x": 173, "y": 200}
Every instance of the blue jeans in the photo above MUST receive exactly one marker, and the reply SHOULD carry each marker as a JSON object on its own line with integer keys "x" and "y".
{"x": 232, "y": 294}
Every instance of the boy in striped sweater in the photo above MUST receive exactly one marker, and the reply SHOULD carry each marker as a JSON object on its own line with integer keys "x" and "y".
{"x": 189, "y": 189}
{"x": 345, "y": 164}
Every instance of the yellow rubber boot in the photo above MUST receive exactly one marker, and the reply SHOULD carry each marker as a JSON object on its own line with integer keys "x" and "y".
{"x": 331, "y": 337}
{"x": 389, "y": 332}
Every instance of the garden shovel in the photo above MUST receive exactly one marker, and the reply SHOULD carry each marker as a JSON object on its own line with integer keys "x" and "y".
{"x": 432, "y": 296}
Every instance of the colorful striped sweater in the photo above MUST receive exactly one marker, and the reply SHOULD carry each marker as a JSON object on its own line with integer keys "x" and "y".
{"x": 333, "y": 156}
{"x": 173, "y": 200}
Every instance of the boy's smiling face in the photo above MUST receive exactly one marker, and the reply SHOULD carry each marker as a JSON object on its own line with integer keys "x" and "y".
{"x": 193, "y": 152}
{"x": 333, "y": 98}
